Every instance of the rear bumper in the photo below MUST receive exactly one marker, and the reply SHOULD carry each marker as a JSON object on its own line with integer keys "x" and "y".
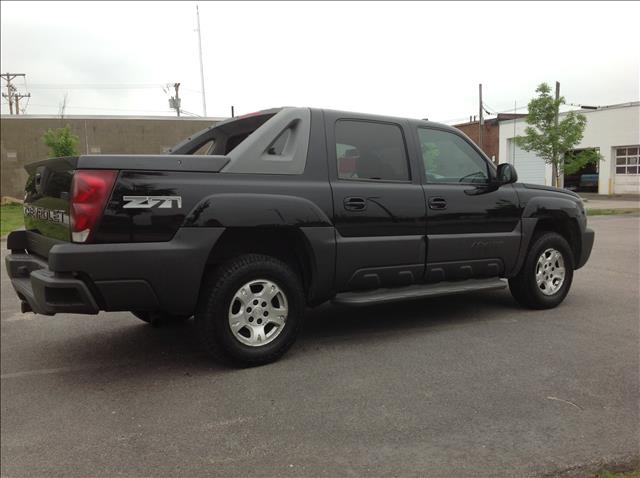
{"x": 588, "y": 237}
{"x": 45, "y": 292}
{"x": 87, "y": 278}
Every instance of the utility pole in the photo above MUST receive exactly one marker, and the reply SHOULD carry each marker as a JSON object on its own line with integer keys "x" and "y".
{"x": 63, "y": 106}
{"x": 11, "y": 90}
{"x": 204, "y": 101}
{"x": 481, "y": 122}
{"x": 554, "y": 166}
{"x": 9, "y": 96}
{"x": 176, "y": 86}
{"x": 17, "y": 97}
{"x": 174, "y": 101}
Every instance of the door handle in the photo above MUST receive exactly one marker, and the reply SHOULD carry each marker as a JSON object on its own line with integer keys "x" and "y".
{"x": 437, "y": 203}
{"x": 355, "y": 203}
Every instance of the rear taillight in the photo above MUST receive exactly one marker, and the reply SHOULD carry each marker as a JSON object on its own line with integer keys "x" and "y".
{"x": 90, "y": 190}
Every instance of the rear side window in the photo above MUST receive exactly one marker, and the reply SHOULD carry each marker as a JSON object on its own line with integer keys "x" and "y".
{"x": 224, "y": 137}
{"x": 278, "y": 147}
{"x": 367, "y": 150}
{"x": 205, "y": 148}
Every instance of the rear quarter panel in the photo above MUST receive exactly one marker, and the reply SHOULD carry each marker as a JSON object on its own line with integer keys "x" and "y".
{"x": 210, "y": 198}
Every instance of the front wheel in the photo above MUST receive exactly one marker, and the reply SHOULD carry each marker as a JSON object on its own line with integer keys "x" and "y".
{"x": 250, "y": 310}
{"x": 547, "y": 273}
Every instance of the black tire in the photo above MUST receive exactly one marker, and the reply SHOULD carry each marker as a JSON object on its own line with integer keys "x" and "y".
{"x": 217, "y": 294}
{"x": 524, "y": 287}
{"x": 158, "y": 319}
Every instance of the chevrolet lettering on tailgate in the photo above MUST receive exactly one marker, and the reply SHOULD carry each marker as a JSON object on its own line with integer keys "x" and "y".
{"x": 56, "y": 216}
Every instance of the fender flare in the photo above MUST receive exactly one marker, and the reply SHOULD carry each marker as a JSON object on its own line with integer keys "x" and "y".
{"x": 252, "y": 210}
{"x": 545, "y": 207}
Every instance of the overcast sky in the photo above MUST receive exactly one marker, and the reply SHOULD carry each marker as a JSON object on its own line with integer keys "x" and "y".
{"x": 407, "y": 59}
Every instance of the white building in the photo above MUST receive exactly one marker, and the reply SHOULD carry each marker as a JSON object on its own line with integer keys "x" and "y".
{"x": 613, "y": 130}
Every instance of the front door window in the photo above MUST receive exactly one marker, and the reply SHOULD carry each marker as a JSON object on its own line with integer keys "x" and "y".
{"x": 449, "y": 159}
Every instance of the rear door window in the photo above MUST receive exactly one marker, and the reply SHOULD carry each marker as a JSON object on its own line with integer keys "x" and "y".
{"x": 371, "y": 151}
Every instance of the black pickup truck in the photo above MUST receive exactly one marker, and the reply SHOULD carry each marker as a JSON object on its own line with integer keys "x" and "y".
{"x": 250, "y": 221}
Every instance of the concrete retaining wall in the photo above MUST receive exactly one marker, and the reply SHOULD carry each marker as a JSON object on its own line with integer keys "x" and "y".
{"x": 21, "y": 139}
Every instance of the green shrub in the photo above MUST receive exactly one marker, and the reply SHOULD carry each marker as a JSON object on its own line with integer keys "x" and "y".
{"x": 61, "y": 141}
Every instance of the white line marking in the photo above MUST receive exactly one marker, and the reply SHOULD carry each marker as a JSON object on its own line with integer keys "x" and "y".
{"x": 565, "y": 401}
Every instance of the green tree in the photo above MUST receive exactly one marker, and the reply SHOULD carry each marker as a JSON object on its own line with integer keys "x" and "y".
{"x": 555, "y": 143}
{"x": 574, "y": 161}
{"x": 61, "y": 142}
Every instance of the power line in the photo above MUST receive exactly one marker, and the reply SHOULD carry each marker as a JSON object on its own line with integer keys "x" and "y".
{"x": 102, "y": 109}
{"x": 452, "y": 120}
{"x": 511, "y": 110}
{"x": 518, "y": 108}
{"x": 584, "y": 107}
{"x": 189, "y": 113}
{"x": 494, "y": 112}
{"x": 88, "y": 86}
{"x": 488, "y": 109}
{"x": 26, "y": 87}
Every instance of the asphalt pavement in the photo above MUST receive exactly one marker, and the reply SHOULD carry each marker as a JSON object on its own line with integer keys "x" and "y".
{"x": 459, "y": 386}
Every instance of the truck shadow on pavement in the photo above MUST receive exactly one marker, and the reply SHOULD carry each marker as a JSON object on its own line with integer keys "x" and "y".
{"x": 334, "y": 321}
{"x": 120, "y": 341}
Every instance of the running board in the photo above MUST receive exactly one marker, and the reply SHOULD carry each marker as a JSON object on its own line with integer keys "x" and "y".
{"x": 418, "y": 291}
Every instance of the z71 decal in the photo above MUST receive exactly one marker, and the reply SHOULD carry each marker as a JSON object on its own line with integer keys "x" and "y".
{"x": 147, "y": 202}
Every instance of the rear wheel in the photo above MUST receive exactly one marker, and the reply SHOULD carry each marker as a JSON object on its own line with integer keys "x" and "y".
{"x": 547, "y": 273}
{"x": 250, "y": 310}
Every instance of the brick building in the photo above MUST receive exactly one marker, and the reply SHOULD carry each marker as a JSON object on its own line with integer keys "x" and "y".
{"x": 491, "y": 133}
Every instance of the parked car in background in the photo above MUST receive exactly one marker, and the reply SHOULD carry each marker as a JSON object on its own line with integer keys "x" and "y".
{"x": 581, "y": 182}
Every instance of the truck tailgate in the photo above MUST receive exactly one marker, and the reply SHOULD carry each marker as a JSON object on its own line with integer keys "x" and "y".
{"x": 47, "y": 195}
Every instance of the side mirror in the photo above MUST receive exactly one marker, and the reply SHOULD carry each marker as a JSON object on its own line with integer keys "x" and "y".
{"x": 506, "y": 174}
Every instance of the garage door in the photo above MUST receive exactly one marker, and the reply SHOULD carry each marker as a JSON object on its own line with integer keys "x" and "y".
{"x": 530, "y": 168}
{"x": 627, "y": 178}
